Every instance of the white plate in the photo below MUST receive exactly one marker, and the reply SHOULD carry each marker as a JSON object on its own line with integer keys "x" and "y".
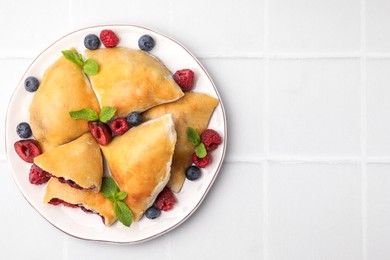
{"x": 89, "y": 226}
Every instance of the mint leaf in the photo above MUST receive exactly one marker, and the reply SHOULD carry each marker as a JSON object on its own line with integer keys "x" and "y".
{"x": 106, "y": 114}
{"x": 85, "y": 113}
{"x": 193, "y": 136}
{"x": 109, "y": 188}
{"x": 91, "y": 67}
{"x": 121, "y": 195}
{"x": 74, "y": 57}
{"x": 111, "y": 191}
{"x": 201, "y": 151}
{"x": 123, "y": 213}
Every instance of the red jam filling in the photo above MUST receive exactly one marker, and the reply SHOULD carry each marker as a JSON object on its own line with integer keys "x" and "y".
{"x": 71, "y": 183}
{"x": 56, "y": 201}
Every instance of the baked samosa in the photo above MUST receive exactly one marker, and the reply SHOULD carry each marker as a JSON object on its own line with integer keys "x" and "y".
{"x": 140, "y": 161}
{"x": 131, "y": 80}
{"x": 193, "y": 110}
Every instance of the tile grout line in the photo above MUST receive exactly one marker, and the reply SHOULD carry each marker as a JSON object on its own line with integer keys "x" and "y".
{"x": 244, "y": 56}
{"x": 65, "y": 239}
{"x": 296, "y": 56}
{"x": 168, "y": 238}
{"x": 265, "y": 134}
{"x": 70, "y": 25}
{"x": 363, "y": 127}
{"x": 170, "y": 21}
{"x": 293, "y": 161}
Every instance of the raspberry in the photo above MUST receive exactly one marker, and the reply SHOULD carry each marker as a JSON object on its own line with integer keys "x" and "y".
{"x": 201, "y": 162}
{"x": 38, "y": 176}
{"x": 109, "y": 38}
{"x": 211, "y": 139}
{"x": 100, "y": 131}
{"x": 165, "y": 200}
{"x": 184, "y": 79}
{"x": 27, "y": 149}
{"x": 119, "y": 125}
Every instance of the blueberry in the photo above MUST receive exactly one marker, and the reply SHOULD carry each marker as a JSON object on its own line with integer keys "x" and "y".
{"x": 23, "y": 130}
{"x": 152, "y": 212}
{"x": 31, "y": 84}
{"x": 91, "y": 42}
{"x": 193, "y": 173}
{"x": 134, "y": 118}
{"x": 146, "y": 42}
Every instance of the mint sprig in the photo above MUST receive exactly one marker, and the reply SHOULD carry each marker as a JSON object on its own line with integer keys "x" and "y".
{"x": 90, "y": 66}
{"x": 109, "y": 188}
{"x": 111, "y": 191}
{"x": 106, "y": 113}
{"x": 123, "y": 213}
{"x": 201, "y": 151}
{"x": 74, "y": 57}
{"x": 85, "y": 113}
{"x": 91, "y": 115}
{"x": 194, "y": 138}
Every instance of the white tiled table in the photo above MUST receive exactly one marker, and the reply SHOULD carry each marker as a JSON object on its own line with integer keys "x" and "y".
{"x": 306, "y": 87}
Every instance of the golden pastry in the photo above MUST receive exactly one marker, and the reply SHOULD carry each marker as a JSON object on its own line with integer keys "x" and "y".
{"x": 79, "y": 163}
{"x": 63, "y": 88}
{"x": 57, "y": 193}
{"x": 193, "y": 110}
{"x": 140, "y": 161}
{"x": 131, "y": 80}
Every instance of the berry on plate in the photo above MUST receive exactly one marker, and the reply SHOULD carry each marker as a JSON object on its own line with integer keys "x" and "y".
{"x": 134, "y": 118}
{"x": 165, "y": 200}
{"x": 91, "y": 42}
{"x": 23, "y": 130}
{"x": 146, "y": 42}
{"x": 119, "y": 126}
{"x": 38, "y": 176}
{"x": 184, "y": 78}
{"x": 152, "y": 212}
{"x": 109, "y": 38}
{"x": 100, "y": 131}
{"x": 211, "y": 139}
{"x": 31, "y": 84}
{"x": 193, "y": 173}
{"x": 27, "y": 149}
{"x": 201, "y": 162}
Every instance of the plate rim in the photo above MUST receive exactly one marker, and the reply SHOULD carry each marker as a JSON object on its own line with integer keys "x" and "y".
{"x": 210, "y": 184}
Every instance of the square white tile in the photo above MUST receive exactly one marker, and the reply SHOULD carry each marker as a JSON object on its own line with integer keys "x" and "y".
{"x": 219, "y": 28}
{"x": 243, "y": 100}
{"x": 25, "y": 233}
{"x": 228, "y": 225}
{"x": 314, "y": 211}
{"x": 377, "y": 29}
{"x": 378, "y": 107}
{"x": 314, "y": 25}
{"x": 15, "y": 69}
{"x": 378, "y": 211}
{"x": 143, "y": 13}
{"x": 314, "y": 107}
{"x": 28, "y": 27}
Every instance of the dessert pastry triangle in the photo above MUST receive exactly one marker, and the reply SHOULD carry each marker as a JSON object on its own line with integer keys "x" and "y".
{"x": 131, "y": 80}
{"x": 78, "y": 163}
{"x": 63, "y": 88}
{"x": 193, "y": 110}
{"x": 140, "y": 161}
{"x": 57, "y": 193}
